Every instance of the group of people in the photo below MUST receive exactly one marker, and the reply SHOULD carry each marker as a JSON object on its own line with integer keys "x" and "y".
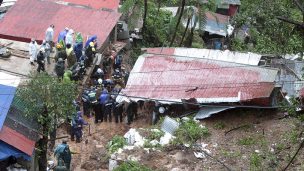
{"x": 71, "y": 52}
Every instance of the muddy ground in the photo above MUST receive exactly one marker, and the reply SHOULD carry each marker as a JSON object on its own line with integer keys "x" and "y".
{"x": 265, "y": 141}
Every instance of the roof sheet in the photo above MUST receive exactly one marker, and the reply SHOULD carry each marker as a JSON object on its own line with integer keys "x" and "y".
{"x": 23, "y": 23}
{"x": 228, "y": 56}
{"x": 17, "y": 140}
{"x": 96, "y": 4}
{"x": 232, "y": 2}
{"x": 7, "y": 150}
{"x": 8, "y": 84}
{"x": 166, "y": 77}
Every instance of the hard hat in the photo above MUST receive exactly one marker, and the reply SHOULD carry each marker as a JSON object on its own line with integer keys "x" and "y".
{"x": 93, "y": 49}
{"x": 43, "y": 42}
{"x": 42, "y": 50}
{"x": 99, "y": 70}
{"x": 161, "y": 110}
{"x": 32, "y": 39}
{"x": 99, "y": 81}
{"x": 58, "y": 46}
{"x": 60, "y": 59}
{"x": 91, "y": 44}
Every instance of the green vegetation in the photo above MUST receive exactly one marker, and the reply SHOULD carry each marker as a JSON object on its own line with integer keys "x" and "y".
{"x": 153, "y": 135}
{"x": 47, "y": 100}
{"x": 132, "y": 166}
{"x": 246, "y": 141}
{"x": 116, "y": 143}
{"x": 268, "y": 34}
{"x": 189, "y": 132}
{"x": 219, "y": 125}
{"x": 255, "y": 162}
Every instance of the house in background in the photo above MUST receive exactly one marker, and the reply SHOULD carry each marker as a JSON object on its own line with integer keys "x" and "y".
{"x": 228, "y": 7}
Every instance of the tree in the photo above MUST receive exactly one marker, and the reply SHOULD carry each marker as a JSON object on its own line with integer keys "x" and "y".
{"x": 268, "y": 34}
{"x": 49, "y": 101}
{"x": 180, "y": 14}
{"x": 145, "y": 16}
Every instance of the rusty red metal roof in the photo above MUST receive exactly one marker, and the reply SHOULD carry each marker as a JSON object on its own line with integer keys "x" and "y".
{"x": 96, "y": 4}
{"x": 171, "y": 77}
{"x": 30, "y": 19}
{"x": 17, "y": 140}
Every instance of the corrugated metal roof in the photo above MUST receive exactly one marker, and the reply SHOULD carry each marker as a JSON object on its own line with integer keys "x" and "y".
{"x": 17, "y": 140}
{"x": 231, "y": 2}
{"x": 8, "y": 85}
{"x": 215, "y": 23}
{"x": 96, "y": 4}
{"x": 227, "y": 56}
{"x": 30, "y": 19}
{"x": 174, "y": 78}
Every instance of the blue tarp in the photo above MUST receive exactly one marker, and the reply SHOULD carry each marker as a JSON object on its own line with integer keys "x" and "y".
{"x": 6, "y": 97}
{"x": 6, "y": 151}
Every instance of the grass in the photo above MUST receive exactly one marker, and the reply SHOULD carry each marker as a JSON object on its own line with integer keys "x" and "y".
{"x": 189, "y": 132}
{"x": 116, "y": 143}
{"x": 255, "y": 162}
{"x": 246, "y": 141}
{"x": 219, "y": 125}
{"x": 293, "y": 135}
{"x": 132, "y": 166}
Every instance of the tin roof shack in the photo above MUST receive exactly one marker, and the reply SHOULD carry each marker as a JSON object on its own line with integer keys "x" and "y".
{"x": 228, "y": 7}
{"x": 22, "y": 23}
{"x": 18, "y": 134}
{"x": 175, "y": 75}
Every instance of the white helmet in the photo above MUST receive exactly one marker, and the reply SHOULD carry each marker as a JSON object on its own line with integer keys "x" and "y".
{"x": 99, "y": 81}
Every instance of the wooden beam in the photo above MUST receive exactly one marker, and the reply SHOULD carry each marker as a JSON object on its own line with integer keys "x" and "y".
{"x": 291, "y": 21}
{"x": 299, "y": 5}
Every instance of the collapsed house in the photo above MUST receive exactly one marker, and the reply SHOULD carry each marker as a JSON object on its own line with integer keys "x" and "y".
{"x": 201, "y": 76}
{"x": 18, "y": 134}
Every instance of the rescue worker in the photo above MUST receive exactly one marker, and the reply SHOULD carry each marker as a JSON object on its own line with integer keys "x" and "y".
{"x": 59, "y": 68}
{"x": 90, "y": 53}
{"x": 97, "y": 75}
{"x": 49, "y": 36}
{"x": 77, "y": 125}
{"x": 61, "y": 53}
{"x": 46, "y": 46}
{"x": 117, "y": 62}
{"x": 33, "y": 50}
{"x": 131, "y": 111}
{"x": 117, "y": 78}
{"x": 40, "y": 60}
{"x": 89, "y": 99}
{"x": 67, "y": 76}
{"x": 78, "y": 46}
{"x": 62, "y": 35}
{"x": 98, "y": 112}
{"x": 103, "y": 99}
{"x": 118, "y": 110}
{"x": 71, "y": 57}
{"x": 62, "y": 153}
{"x": 69, "y": 39}
{"x": 91, "y": 39}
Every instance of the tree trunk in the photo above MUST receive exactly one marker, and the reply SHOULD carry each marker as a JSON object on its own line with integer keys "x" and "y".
{"x": 145, "y": 17}
{"x": 43, "y": 143}
{"x": 178, "y": 21}
{"x": 184, "y": 34}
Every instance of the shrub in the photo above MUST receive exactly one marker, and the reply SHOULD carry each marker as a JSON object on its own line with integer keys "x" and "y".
{"x": 189, "y": 132}
{"x": 132, "y": 166}
{"x": 116, "y": 143}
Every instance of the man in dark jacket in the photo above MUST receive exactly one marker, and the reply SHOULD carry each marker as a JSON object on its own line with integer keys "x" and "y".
{"x": 59, "y": 68}
{"x": 40, "y": 60}
{"x": 118, "y": 110}
{"x": 131, "y": 111}
{"x": 90, "y": 53}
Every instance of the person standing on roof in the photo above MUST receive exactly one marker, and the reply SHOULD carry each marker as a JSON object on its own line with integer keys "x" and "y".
{"x": 46, "y": 46}
{"x": 90, "y": 53}
{"x": 49, "y": 35}
{"x": 78, "y": 46}
{"x": 62, "y": 35}
{"x": 40, "y": 60}
{"x": 69, "y": 38}
{"x": 33, "y": 50}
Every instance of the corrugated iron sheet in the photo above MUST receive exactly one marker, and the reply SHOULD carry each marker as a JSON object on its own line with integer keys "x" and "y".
{"x": 17, "y": 140}
{"x": 206, "y": 112}
{"x": 230, "y": 2}
{"x": 30, "y": 19}
{"x": 166, "y": 77}
{"x": 96, "y": 4}
{"x": 227, "y": 56}
{"x": 8, "y": 84}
